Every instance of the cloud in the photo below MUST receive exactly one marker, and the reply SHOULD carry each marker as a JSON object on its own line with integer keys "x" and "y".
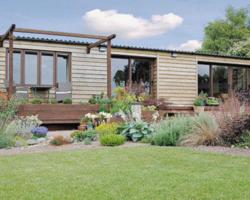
{"x": 127, "y": 26}
{"x": 190, "y": 45}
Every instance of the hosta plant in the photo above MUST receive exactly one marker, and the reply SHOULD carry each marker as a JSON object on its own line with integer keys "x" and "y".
{"x": 135, "y": 131}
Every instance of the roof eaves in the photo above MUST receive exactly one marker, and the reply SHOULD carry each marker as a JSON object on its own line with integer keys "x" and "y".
{"x": 72, "y": 42}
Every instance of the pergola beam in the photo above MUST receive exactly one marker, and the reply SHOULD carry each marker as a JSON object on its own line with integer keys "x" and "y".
{"x": 98, "y": 43}
{"x": 6, "y": 35}
{"x": 101, "y": 39}
{"x": 58, "y": 33}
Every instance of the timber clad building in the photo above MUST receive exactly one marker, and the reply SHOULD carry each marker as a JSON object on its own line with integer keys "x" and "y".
{"x": 40, "y": 65}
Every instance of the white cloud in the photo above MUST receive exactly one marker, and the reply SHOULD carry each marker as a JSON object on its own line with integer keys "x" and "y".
{"x": 190, "y": 45}
{"x": 128, "y": 26}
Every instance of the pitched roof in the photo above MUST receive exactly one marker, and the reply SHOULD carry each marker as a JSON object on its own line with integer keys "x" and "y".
{"x": 74, "y": 42}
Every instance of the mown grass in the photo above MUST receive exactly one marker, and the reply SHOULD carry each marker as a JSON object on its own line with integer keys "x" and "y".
{"x": 148, "y": 173}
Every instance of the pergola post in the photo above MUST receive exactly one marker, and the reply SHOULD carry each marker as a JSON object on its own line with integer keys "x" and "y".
{"x": 11, "y": 88}
{"x": 109, "y": 78}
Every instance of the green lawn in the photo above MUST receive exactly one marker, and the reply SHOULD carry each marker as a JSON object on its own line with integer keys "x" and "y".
{"x": 148, "y": 173}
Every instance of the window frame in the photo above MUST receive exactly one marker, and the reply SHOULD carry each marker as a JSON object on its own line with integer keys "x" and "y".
{"x": 230, "y": 75}
{"x": 39, "y": 64}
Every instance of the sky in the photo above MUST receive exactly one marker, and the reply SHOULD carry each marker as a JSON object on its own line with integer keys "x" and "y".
{"x": 166, "y": 24}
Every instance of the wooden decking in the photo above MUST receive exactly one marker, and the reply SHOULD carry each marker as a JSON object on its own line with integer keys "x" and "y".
{"x": 59, "y": 113}
{"x": 71, "y": 114}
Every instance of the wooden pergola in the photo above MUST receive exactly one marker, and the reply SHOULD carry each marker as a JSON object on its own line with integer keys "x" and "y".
{"x": 100, "y": 40}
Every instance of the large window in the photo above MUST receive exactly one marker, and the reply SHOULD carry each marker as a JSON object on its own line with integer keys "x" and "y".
{"x": 133, "y": 73}
{"x": 40, "y": 68}
{"x": 216, "y": 80}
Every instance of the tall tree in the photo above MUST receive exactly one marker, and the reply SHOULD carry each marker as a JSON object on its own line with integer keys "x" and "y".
{"x": 222, "y": 35}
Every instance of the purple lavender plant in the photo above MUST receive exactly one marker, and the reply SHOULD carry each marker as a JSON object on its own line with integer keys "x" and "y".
{"x": 40, "y": 131}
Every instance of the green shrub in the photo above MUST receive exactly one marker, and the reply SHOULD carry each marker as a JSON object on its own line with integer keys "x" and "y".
{"x": 102, "y": 101}
{"x": 202, "y": 129}
{"x": 8, "y": 110}
{"x": 169, "y": 131}
{"x": 135, "y": 131}
{"x": 146, "y": 140}
{"x": 107, "y": 128}
{"x": 36, "y": 101}
{"x": 199, "y": 102}
{"x": 67, "y": 101}
{"x": 201, "y": 99}
{"x": 6, "y": 141}
{"x": 168, "y": 138}
{"x": 212, "y": 101}
{"x": 205, "y": 131}
{"x": 244, "y": 140}
{"x": 122, "y": 100}
{"x": 82, "y": 135}
{"x": 95, "y": 99}
{"x": 112, "y": 140}
{"x": 21, "y": 141}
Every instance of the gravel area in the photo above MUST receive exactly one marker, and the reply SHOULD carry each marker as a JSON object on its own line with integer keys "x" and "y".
{"x": 224, "y": 150}
{"x": 63, "y": 133}
{"x": 45, "y": 147}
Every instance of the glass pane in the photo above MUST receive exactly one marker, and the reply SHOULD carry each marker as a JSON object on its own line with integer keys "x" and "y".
{"x": 203, "y": 79}
{"x": 16, "y": 68}
{"x": 31, "y": 68}
{"x": 119, "y": 72}
{"x": 240, "y": 78}
{"x": 220, "y": 80}
{"x": 62, "y": 69}
{"x": 47, "y": 69}
{"x": 141, "y": 75}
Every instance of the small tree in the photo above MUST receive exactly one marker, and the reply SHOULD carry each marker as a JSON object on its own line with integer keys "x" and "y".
{"x": 223, "y": 34}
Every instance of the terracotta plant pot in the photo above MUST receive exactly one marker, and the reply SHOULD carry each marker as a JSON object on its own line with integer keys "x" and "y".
{"x": 199, "y": 109}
